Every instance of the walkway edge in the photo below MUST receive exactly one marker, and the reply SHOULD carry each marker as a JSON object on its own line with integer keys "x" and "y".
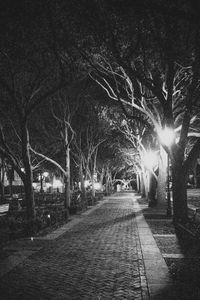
{"x": 157, "y": 273}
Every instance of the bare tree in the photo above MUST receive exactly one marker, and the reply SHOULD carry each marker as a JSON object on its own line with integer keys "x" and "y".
{"x": 24, "y": 86}
{"x": 149, "y": 62}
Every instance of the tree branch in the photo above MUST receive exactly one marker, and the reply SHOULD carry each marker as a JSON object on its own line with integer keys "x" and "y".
{"x": 50, "y": 160}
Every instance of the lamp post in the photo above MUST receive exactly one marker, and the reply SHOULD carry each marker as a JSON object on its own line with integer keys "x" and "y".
{"x": 42, "y": 176}
{"x": 167, "y": 138}
{"x": 10, "y": 174}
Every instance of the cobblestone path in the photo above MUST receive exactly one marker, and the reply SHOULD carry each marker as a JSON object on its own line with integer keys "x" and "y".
{"x": 100, "y": 258}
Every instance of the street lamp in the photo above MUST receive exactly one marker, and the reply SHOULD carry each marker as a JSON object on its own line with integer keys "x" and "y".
{"x": 167, "y": 138}
{"x": 42, "y": 176}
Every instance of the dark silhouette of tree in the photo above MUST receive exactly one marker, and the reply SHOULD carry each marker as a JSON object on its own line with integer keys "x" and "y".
{"x": 149, "y": 61}
{"x": 30, "y": 74}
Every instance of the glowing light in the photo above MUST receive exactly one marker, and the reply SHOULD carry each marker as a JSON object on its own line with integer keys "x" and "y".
{"x": 97, "y": 186}
{"x": 48, "y": 185}
{"x": 150, "y": 159}
{"x": 57, "y": 183}
{"x": 43, "y": 175}
{"x": 86, "y": 183}
{"x": 166, "y": 136}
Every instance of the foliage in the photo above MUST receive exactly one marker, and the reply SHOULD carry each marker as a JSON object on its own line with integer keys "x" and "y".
{"x": 149, "y": 61}
{"x": 19, "y": 224}
{"x": 145, "y": 58}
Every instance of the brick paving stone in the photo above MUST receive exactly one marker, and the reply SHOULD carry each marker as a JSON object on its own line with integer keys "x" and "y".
{"x": 98, "y": 258}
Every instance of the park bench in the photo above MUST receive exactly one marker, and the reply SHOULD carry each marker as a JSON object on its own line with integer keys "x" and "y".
{"x": 4, "y": 208}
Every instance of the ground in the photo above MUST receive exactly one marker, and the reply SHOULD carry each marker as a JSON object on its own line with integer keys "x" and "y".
{"x": 180, "y": 250}
{"x": 108, "y": 252}
{"x": 98, "y": 258}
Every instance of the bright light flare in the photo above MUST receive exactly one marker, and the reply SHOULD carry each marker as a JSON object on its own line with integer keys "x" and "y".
{"x": 150, "y": 159}
{"x": 57, "y": 183}
{"x": 97, "y": 186}
{"x": 86, "y": 183}
{"x": 166, "y": 136}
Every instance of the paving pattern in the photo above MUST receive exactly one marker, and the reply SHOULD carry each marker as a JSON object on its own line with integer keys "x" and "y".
{"x": 99, "y": 258}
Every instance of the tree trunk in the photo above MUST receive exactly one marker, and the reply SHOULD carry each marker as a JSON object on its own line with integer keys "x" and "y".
{"x": 142, "y": 186}
{"x": 107, "y": 184}
{"x": 138, "y": 183}
{"x": 102, "y": 177}
{"x": 93, "y": 173}
{"x": 179, "y": 187}
{"x": 30, "y": 207}
{"x": 83, "y": 191}
{"x": 11, "y": 187}
{"x": 41, "y": 183}
{"x": 67, "y": 199}
{"x": 143, "y": 183}
{"x": 29, "y": 194}
{"x": 2, "y": 188}
{"x": 93, "y": 189}
{"x": 195, "y": 176}
{"x": 162, "y": 177}
{"x": 152, "y": 190}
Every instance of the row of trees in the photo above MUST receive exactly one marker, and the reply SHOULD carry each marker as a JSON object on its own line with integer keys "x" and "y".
{"x": 142, "y": 58}
{"x": 149, "y": 63}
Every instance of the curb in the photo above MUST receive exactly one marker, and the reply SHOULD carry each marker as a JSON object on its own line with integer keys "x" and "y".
{"x": 157, "y": 273}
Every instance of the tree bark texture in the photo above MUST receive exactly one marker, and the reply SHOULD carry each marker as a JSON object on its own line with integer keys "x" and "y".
{"x": 67, "y": 199}
{"x": 138, "y": 183}
{"x": 179, "y": 188}
{"x": 83, "y": 191}
{"x": 2, "y": 191}
{"x": 152, "y": 190}
{"x": 2, "y": 177}
{"x": 162, "y": 177}
{"x": 142, "y": 186}
{"x": 29, "y": 194}
{"x": 108, "y": 182}
{"x": 92, "y": 175}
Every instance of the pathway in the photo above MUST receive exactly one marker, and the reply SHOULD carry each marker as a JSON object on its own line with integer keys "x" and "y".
{"x": 106, "y": 253}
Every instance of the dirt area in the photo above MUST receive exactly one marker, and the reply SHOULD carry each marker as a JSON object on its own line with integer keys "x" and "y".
{"x": 180, "y": 251}
{"x": 160, "y": 226}
{"x": 168, "y": 244}
{"x": 184, "y": 270}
